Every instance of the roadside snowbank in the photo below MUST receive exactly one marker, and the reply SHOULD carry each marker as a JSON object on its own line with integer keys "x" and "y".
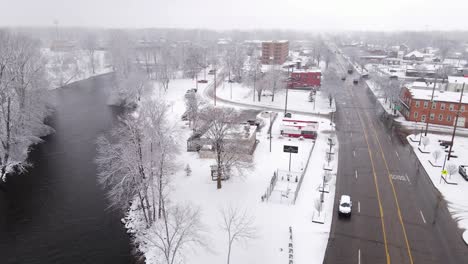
{"x": 455, "y": 195}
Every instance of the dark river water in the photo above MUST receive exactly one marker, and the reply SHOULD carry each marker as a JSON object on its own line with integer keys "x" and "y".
{"x": 56, "y": 212}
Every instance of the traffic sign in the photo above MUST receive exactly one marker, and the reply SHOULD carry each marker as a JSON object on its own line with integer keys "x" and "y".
{"x": 290, "y": 149}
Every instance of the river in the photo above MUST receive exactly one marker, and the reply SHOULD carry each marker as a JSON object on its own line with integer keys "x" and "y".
{"x": 57, "y": 212}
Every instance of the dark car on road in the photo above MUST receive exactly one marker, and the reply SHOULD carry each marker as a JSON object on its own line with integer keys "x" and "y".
{"x": 343, "y": 78}
{"x": 462, "y": 171}
{"x": 355, "y": 81}
{"x": 202, "y": 81}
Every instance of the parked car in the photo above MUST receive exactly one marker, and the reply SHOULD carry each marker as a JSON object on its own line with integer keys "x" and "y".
{"x": 345, "y": 205}
{"x": 355, "y": 81}
{"x": 462, "y": 171}
{"x": 253, "y": 122}
{"x": 288, "y": 115}
{"x": 211, "y": 72}
{"x": 350, "y": 71}
{"x": 394, "y": 77}
{"x": 343, "y": 78}
{"x": 202, "y": 81}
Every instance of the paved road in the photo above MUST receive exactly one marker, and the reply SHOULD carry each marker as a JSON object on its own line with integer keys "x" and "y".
{"x": 208, "y": 93}
{"x": 398, "y": 216}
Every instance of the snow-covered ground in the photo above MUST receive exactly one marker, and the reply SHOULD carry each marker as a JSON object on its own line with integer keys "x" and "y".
{"x": 272, "y": 218}
{"x": 298, "y": 100}
{"x": 455, "y": 195}
{"x": 65, "y": 67}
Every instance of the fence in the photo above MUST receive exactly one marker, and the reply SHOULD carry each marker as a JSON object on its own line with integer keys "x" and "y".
{"x": 299, "y": 184}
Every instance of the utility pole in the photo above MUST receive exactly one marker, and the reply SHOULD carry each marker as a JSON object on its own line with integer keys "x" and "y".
{"x": 255, "y": 78}
{"x": 271, "y": 126}
{"x": 456, "y": 122}
{"x": 430, "y": 106}
{"x": 214, "y": 85}
{"x": 289, "y": 80}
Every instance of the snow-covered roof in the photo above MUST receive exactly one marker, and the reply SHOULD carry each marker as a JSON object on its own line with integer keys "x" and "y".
{"x": 439, "y": 96}
{"x": 415, "y": 53}
{"x": 276, "y": 41}
{"x": 457, "y": 79}
{"x": 307, "y": 70}
{"x": 424, "y": 85}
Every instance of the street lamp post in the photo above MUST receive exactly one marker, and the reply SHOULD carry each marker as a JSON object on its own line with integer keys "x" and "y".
{"x": 271, "y": 126}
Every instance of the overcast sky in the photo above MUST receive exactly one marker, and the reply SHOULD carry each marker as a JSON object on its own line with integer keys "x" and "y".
{"x": 241, "y": 14}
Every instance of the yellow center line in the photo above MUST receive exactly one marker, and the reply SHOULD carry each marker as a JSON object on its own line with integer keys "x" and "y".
{"x": 376, "y": 187}
{"x": 394, "y": 194}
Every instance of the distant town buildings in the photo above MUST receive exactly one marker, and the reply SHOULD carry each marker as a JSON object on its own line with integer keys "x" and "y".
{"x": 275, "y": 52}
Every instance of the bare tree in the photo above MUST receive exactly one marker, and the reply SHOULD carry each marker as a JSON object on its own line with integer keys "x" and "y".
{"x": 90, "y": 44}
{"x": 425, "y": 141}
{"x": 22, "y": 104}
{"x": 223, "y": 135}
{"x": 452, "y": 169}
{"x": 239, "y": 226}
{"x": 193, "y": 105}
{"x": 180, "y": 230}
{"x": 165, "y": 67}
{"x": 436, "y": 155}
{"x": 138, "y": 160}
{"x": 276, "y": 81}
{"x": 253, "y": 73}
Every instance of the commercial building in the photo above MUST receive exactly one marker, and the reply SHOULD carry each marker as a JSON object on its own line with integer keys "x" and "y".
{"x": 416, "y": 106}
{"x": 275, "y": 52}
{"x": 305, "y": 79}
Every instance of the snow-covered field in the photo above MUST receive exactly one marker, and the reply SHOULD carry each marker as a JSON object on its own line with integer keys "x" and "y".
{"x": 298, "y": 100}
{"x": 272, "y": 218}
{"x": 65, "y": 67}
{"x": 455, "y": 195}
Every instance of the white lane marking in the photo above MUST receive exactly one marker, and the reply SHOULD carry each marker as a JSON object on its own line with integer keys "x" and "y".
{"x": 354, "y": 153}
{"x": 422, "y": 216}
{"x": 407, "y": 178}
{"x": 355, "y": 173}
{"x": 359, "y": 256}
{"x": 351, "y": 134}
{"x": 389, "y": 138}
{"x": 359, "y": 207}
{"x": 398, "y": 156}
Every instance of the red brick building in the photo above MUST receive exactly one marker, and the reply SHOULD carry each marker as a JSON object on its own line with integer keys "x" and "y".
{"x": 415, "y": 105}
{"x": 275, "y": 52}
{"x": 305, "y": 79}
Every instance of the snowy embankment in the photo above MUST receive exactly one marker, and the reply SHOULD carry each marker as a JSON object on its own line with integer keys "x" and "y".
{"x": 273, "y": 218}
{"x": 298, "y": 100}
{"x": 65, "y": 67}
{"x": 455, "y": 186}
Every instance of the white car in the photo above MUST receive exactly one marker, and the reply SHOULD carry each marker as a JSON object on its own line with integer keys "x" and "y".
{"x": 345, "y": 205}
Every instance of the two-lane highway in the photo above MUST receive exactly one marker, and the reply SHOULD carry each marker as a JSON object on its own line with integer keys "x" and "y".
{"x": 398, "y": 216}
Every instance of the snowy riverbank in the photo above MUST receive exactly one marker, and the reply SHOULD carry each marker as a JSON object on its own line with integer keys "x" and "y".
{"x": 65, "y": 67}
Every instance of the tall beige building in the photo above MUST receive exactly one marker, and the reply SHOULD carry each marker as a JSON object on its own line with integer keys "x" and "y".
{"x": 275, "y": 52}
